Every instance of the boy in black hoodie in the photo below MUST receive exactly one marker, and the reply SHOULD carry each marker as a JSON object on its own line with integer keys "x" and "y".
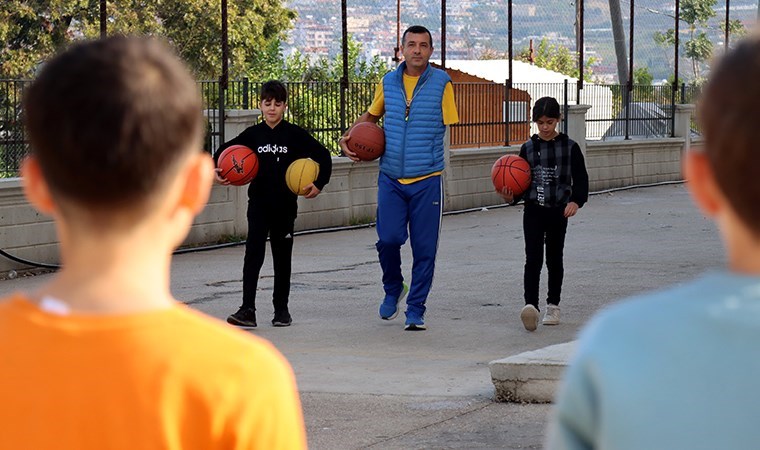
{"x": 558, "y": 188}
{"x": 272, "y": 207}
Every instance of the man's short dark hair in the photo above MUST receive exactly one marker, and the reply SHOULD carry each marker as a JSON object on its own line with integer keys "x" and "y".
{"x": 274, "y": 90}
{"x": 729, "y": 112}
{"x": 546, "y": 106}
{"x": 109, "y": 121}
{"x": 417, "y": 29}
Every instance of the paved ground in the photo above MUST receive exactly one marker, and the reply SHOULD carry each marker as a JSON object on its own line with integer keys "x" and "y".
{"x": 366, "y": 383}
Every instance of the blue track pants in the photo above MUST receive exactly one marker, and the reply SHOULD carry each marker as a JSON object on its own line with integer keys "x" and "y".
{"x": 413, "y": 211}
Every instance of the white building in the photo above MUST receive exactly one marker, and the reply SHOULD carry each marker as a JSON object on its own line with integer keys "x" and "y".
{"x": 540, "y": 82}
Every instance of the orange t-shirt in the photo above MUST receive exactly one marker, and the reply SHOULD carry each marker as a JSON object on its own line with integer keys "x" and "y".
{"x": 164, "y": 379}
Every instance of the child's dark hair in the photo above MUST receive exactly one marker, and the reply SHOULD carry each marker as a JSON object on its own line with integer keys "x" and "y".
{"x": 274, "y": 90}
{"x": 729, "y": 112}
{"x": 546, "y": 106}
{"x": 417, "y": 29}
{"x": 109, "y": 120}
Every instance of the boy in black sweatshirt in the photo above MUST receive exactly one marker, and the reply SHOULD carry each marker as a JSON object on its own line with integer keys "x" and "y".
{"x": 272, "y": 207}
{"x": 558, "y": 188}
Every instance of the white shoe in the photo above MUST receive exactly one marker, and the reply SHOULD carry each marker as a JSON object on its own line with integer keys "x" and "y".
{"x": 551, "y": 317}
{"x": 529, "y": 316}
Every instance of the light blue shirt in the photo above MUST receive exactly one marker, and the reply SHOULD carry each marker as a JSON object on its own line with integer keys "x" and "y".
{"x": 678, "y": 369}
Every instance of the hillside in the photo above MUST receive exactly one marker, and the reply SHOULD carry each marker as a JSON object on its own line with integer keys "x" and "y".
{"x": 475, "y": 27}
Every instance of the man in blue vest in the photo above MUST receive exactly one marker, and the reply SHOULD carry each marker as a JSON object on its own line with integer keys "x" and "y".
{"x": 418, "y": 103}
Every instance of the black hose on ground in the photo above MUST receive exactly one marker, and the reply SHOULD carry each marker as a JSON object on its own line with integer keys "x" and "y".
{"x": 322, "y": 230}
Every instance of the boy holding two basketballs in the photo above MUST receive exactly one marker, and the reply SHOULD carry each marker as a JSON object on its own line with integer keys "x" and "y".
{"x": 272, "y": 207}
{"x": 558, "y": 188}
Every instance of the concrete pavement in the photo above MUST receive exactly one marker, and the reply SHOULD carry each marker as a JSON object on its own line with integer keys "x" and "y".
{"x": 367, "y": 383}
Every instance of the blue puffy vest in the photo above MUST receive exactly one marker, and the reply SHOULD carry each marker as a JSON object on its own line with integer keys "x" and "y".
{"x": 413, "y": 145}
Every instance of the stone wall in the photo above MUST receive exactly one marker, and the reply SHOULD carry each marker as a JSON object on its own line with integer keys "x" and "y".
{"x": 350, "y": 198}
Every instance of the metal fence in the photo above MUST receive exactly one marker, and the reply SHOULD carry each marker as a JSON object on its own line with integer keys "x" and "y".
{"x": 318, "y": 107}
{"x": 641, "y": 112}
{"x": 13, "y": 143}
{"x": 488, "y": 117}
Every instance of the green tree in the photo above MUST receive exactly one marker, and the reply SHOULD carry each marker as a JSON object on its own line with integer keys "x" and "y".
{"x": 33, "y": 30}
{"x": 322, "y": 107}
{"x": 642, "y": 76}
{"x": 557, "y": 58}
{"x": 270, "y": 63}
{"x": 698, "y": 48}
{"x": 735, "y": 28}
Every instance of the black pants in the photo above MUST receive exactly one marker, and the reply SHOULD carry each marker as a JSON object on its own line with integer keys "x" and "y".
{"x": 544, "y": 225}
{"x": 277, "y": 223}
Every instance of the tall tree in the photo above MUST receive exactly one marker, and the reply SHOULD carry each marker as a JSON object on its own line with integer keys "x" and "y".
{"x": 557, "y": 58}
{"x": 321, "y": 108}
{"x": 642, "y": 76}
{"x": 32, "y": 30}
{"x": 618, "y": 35}
{"x": 698, "y": 48}
{"x": 298, "y": 67}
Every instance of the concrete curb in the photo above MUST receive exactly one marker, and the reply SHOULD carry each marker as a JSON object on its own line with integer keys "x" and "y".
{"x": 531, "y": 377}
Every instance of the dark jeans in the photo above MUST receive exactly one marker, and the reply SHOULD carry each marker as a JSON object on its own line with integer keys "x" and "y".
{"x": 278, "y": 225}
{"x": 544, "y": 225}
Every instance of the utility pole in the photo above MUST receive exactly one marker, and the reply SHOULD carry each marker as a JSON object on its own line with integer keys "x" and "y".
{"x": 223, "y": 79}
{"x": 579, "y": 30}
{"x": 728, "y": 22}
{"x": 396, "y": 49}
{"x": 344, "y": 76}
{"x": 443, "y": 33}
{"x": 508, "y": 84}
{"x": 103, "y": 19}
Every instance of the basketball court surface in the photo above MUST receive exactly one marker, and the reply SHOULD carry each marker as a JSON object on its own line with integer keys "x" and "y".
{"x": 367, "y": 383}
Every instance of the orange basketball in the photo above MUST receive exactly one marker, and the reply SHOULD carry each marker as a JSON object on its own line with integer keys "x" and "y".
{"x": 367, "y": 141}
{"x": 239, "y": 164}
{"x": 511, "y": 171}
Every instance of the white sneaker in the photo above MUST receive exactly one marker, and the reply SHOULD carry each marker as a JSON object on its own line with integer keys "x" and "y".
{"x": 529, "y": 316}
{"x": 551, "y": 317}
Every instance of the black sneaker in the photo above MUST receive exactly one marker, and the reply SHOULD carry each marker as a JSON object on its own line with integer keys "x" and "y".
{"x": 245, "y": 317}
{"x": 282, "y": 319}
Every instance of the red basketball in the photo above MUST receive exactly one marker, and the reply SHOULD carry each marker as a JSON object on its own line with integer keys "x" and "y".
{"x": 511, "y": 171}
{"x": 367, "y": 141}
{"x": 239, "y": 164}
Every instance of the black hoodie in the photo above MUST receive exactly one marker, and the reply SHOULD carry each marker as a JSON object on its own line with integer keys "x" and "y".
{"x": 558, "y": 172}
{"x": 276, "y": 148}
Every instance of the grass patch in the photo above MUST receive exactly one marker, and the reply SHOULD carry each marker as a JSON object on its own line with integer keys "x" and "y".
{"x": 361, "y": 220}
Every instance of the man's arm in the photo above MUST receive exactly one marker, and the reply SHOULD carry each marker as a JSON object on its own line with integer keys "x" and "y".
{"x": 322, "y": 156}
{"x": 449, "y": 106}
{"x": 366, "y": 117}
{"x": 373, "y": 114}
{"x": 579, "y": 176}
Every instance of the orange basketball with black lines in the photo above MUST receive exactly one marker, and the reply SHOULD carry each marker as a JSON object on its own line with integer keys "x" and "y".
{"x": 367, "y": 141}
{"x": 511, "y": 171}
{"x": 239, "y": 164}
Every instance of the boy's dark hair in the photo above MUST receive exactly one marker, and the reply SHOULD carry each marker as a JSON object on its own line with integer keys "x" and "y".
{"x": 417, "y": 29}
{"x": 274, "y": 90}
{"x": 109, "y": 120}
{"x": 546, "y": 106}
{"x": 729, "y": 113}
